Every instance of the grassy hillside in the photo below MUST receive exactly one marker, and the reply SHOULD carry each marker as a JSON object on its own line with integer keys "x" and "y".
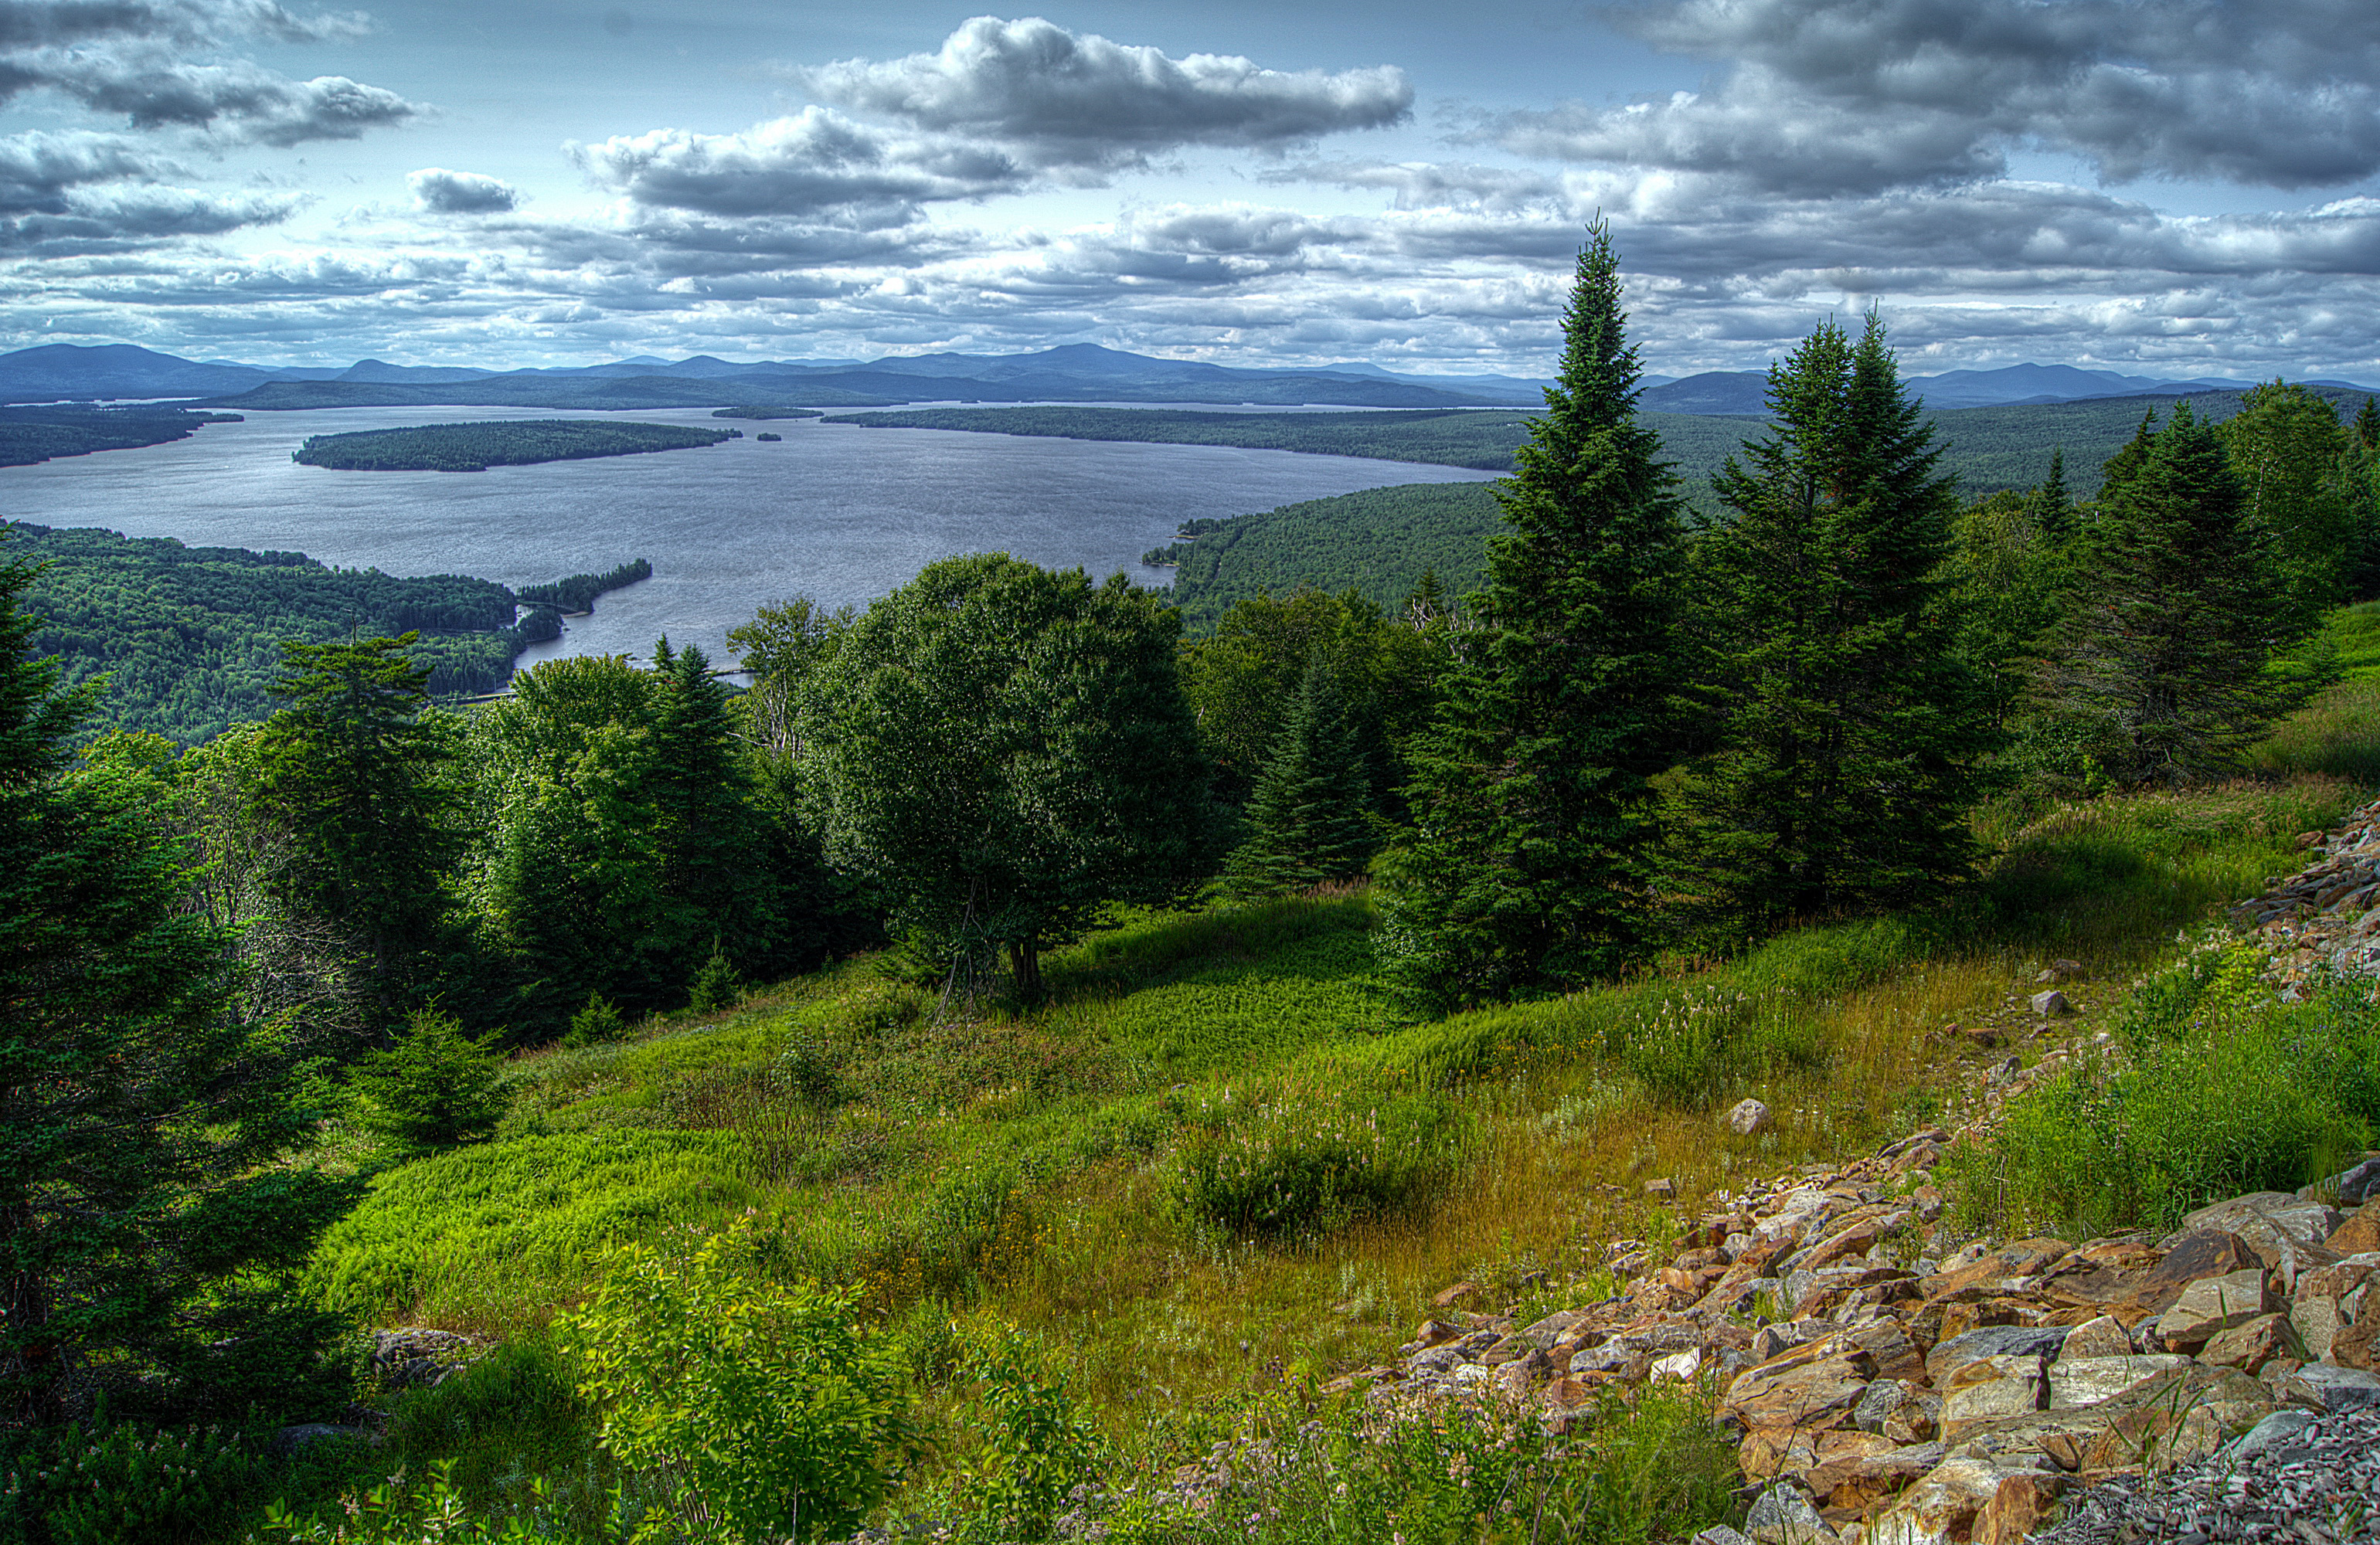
{"x": 1219, "y": 1167}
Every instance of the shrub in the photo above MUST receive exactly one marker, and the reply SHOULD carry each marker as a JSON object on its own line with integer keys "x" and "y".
{"x": 433, "y": 1510}
{"x": 1296, "y": 1161}
{"x": 435, "y": 1088}
{"x": 716, "y": 985}
{"x": 758, "y": 1411}
{"x": 109, "y": 1484}
{"x": 1037, "y": 1446}
{"x": 597, "y": 1024}
{"x": 514, "y": 1414}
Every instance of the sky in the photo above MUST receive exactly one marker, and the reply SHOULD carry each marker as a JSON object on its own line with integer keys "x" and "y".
{"x": 2170, "y": 188}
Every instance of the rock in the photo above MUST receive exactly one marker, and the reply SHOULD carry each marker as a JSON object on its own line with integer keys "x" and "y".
{"x": 1862, "y": 1480}
{"x": 1986, "y": 1390}
{"x": 2019, "y": 1508}
{"x": 1680, "y": 1366}
{"x": 1749, "y": 1118}
{"x": 2327, "y": 1388}
{"x": 2354, "y": 1347}
{"x": 2200, "y": 1252}
{"x": 1718, "y": 1534}
{"x": 1552, "y": 1328}
{"x": 2102, "y": 1337}
{"x": 1435, "y": 1333}
{"x": 2275, "y": 1225}
{"x": 2211, "y": 1306}
{"x": 1661, "y": 1190}
{"x": 2360, "y": 1233}
{"x": 1460, "y": 1293}
{"x": 2250, "y": 1346}
{"x": 1941, "y": 1508}
{"x": 2355, "y": 1188}
{"x": 306, "y": 1434}
{"x": 2053, "y": 1004}
{"x": 2177, "y": 1419}
{"x": 2059, "y": 971}
{"x": 1782, "y": 1516}
{"x": 2076, "y": 1383}
{"x": 1810, "y": 1386}
{"x": 2033, "y": 1341}
{"x": 2274, "y": 1431}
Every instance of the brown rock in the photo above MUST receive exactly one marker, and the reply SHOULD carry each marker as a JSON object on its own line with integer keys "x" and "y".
{"x": 1435, "y": 1333}
{"x": 2205, "y": 1252}
{"x": 2018, "y": 1508}
{"x": 2250, "y": 1346}
{"x": 2317, "y": 1315}
{"x": 2025, "y": 1258}
{"x": 1810, "y": 1387}
{"x": 1861, "y": 1479}
{"x": 1957, "y": 1320}
{"x": 2177, "y": 1420}
{"x": 2360, "y": 1233}
{"x": 2078, "y": 1382}
{"x": 1460, "y": 1293}
{"x": 2352, "y": 1347}
{"x": 1989, "y": 1390}
{"x": 1661, "y": 1190}
{"x": 1890, "y": 1348}
{"x": 1568, "y": 1392}
{"x": 2210, "y": 1306}
{"x": 2102, "y": 1337}
{"x": 1940, "y": 1508}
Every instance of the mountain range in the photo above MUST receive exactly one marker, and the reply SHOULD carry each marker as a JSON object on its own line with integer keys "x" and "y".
{"x": 1074, "y": 373}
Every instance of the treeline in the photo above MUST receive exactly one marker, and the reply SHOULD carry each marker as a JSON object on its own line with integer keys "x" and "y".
{"x": 190, "y": 638}
{"x": 1451, "y": 437}
{"x": 476, "y": 447}
{"x": 28, "y": 435}
{"x": 576, "y": 592}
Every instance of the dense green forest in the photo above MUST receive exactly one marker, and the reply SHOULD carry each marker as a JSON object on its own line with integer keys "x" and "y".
{"x": 1376, "y": 541}
{"x": 766, "y": 413}
{"x": 497, "y": 442}
{"x": 190, "y": 637}
{"x": 35, "y": 434}
{"x": 576, "y": 592}
{"x": 1014, "y": 1054}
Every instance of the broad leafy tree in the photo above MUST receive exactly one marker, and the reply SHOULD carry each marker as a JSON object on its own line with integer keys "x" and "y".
{"x": 146, "y": 1231}
{"x": 2289, "y": 452}
{"x": 2175, "y": 611}
{"x": 1849, "y": 723}
{"x": 1533, "y": 822}
{"x": 1000, "y": 751}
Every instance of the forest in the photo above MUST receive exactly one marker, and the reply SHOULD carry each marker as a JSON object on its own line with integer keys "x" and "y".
{"x": 1017, "y": 1055}
{"x": 28, "y": 435}
{"x": 190, "y": 638}
{"x": 475, "y": 447}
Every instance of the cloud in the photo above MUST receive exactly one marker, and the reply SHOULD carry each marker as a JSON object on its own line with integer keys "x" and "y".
{"x": 816, "y": 164}
{"x": 1061, "y": 99}
{"x": 1861, "y": 96}
{"x": 148, "y": 63}
{"x": 442, "y": 192}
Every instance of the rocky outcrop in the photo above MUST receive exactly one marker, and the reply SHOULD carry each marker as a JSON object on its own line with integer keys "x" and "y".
{"x": 2328, "y": 913}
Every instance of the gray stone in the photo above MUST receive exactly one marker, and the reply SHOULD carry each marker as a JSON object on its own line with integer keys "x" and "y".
{"x": 1749, "y": 1118}
{"x": 2355, "y": 1188}
{"x": 2328, "y": 1387}
{"x": 1782, "y": 1516}
{"x": 1718, "y": 1534}
{"x": 2077, "y": 1381}
{"x": 1553, "y": 1327}
{"x": 1992, "y": 1341}
{"x": 1882, "y": 1399}
{"x": 2053, "y": 1003}
{"x": 2273, "y": 1431}
{"x": 2211, "y": 1305}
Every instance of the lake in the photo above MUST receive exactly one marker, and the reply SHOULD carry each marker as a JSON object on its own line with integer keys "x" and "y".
{"x": 837, "y": 513}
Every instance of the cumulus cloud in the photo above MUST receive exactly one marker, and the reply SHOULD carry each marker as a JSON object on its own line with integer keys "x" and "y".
{"x": 1061, "y": 99}
{"x": 81, "y": 193}
{"x": 440, "y": 191}
{"x": 815, "y": 164}
{"x": 1863, "y": 95}
{"x": 145, "y": 62}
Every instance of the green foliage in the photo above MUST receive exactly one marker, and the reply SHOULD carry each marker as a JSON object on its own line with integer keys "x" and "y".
{"x": 2175, "y": 613}
{"x": 1377, "y": 543}
{"x": 2225, "y": 1092}
{"x": 432, "y": 1510}
{"x": 1534, "y": 822}
{"x": 1849, "y": 726}
{"x": 597, "y": 1023}
{"x": 190, "y": 637}
{"x": 35, "y": 434}
{"x": 1455, "y": 437}
{"x": 578, "y": 592}
{"x": 1001, "y": 750}
{"x": 509, "y": 1432}
{"x": 1294, "y": 1161}
{"x": 146, "y": 1219}
{"x": 434, "y": 1088}
{"x": 98, "y": 1482}
{"x": 2289, "y": 452}
{"x": 498, "y": 443}
{"x": 1309, "y": 820}
{"x": 760, "y": 1410}
{"x": 1035, "y": 1445}
{"x": 715, "y": 986}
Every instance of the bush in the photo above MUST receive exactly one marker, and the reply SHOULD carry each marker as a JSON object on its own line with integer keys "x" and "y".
{"x": 595, "y": 1025}
{"x": 716, "y": 985}
{"x": 108, "y": 1484}
{"x": 514, "y": 1414}
{"x": 435, "y": 1088}
{"x": 432, "y": 1511}
{"x": 1036, "y": 1445}
{"x": 758, "y": 1409}
{"x": 1302, "y": 1162}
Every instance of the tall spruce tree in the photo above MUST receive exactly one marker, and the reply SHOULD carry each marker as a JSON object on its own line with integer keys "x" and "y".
{"x": 2175, "y": 611}
{"x": 1849, "y": 722}
{"x": 1309, "y": 820}
{"x": 1534, "y": 821}
{"x": 2052, "y": 506}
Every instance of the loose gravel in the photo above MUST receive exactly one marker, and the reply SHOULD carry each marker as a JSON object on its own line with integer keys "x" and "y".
{"x": 2296, "y": 1479}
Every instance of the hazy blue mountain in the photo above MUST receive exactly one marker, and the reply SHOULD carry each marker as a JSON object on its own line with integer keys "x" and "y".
{"x": 115, "y": 370}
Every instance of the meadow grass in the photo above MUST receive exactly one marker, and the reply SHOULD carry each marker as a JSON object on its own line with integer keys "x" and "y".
{"x": 1216, "y": 1165}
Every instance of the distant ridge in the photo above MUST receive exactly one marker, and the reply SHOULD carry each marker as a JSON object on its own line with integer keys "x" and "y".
{"x": 1070, "y": 373}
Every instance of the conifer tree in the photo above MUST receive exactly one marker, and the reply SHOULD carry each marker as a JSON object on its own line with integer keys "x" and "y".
{"x": 2367, "y": 425}
{"x": 707, "y": 838}
{"x": 1309, "y": 819}
{"x": 2052, "y": 505}
{"x": 2175, "y": 611}
{"x": 2117, "y": 469}
{"x": 1849, "y": 722}
{"x": 1533, "y": 824}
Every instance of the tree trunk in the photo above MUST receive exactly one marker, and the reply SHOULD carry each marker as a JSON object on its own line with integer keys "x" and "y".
{"x": 1025, "y": 965}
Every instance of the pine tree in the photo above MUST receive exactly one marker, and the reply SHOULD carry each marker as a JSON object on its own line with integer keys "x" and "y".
{"x": 1309, "y": 819}
{"x": 2367, "y": 425}
{"x": 1534, "y": 822}
{"x": 709, "y": 840}
{"x": 1848, "y": 722}
{"x": 2174, "y": 614}
{"x": 148, "y": 1222}
{"x": 2052, "y": 507}
{"x": 2119, "y": 469}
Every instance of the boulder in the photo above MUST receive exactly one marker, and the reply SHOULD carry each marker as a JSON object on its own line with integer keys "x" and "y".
{"x": 1749, "y": 1118}
{"x": 2250, "y": 1346}
{"x": 1782, "y": 1516}
{"x": 1553, "y": 1327}
{"x": 1987, "y": 1390}
{"x": 2052, "y": 1004}
{"x": 2354, "y": 1347}
{"x": 2276, "y": 1430}
{"x": 1941, "y": 1508}
{"x": 2355, "y": 1188}
{"x": 1811, "y": 1386}
{"x": 2022, "y": 1504}
{"x": 2282, "y": 1230}
{"x": 1718, "y": 1534}
{"x": 1992, "y": 1341}
{"x": 2360, "y": 1233}
{"x": 2076, "y": 1383}
{"x": 2326, "y": 1388}
{"x": 2210, "y": 1306}
{"x": 1861, "y": 1480}
{"x": 2175, "y": 1420}
{"x": 2102, "y": 1337}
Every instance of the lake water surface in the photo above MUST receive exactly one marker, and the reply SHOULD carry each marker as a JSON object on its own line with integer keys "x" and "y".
{"x": 837, "y": 513}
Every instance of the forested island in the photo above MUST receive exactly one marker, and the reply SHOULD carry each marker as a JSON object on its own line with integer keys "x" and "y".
{"x": 190, "y": 638}
{"x": 475, "y": 447}
{"x": 28, "y": 435}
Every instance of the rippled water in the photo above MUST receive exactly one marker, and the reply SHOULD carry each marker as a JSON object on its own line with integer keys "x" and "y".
{"x": 837, "y": 513}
